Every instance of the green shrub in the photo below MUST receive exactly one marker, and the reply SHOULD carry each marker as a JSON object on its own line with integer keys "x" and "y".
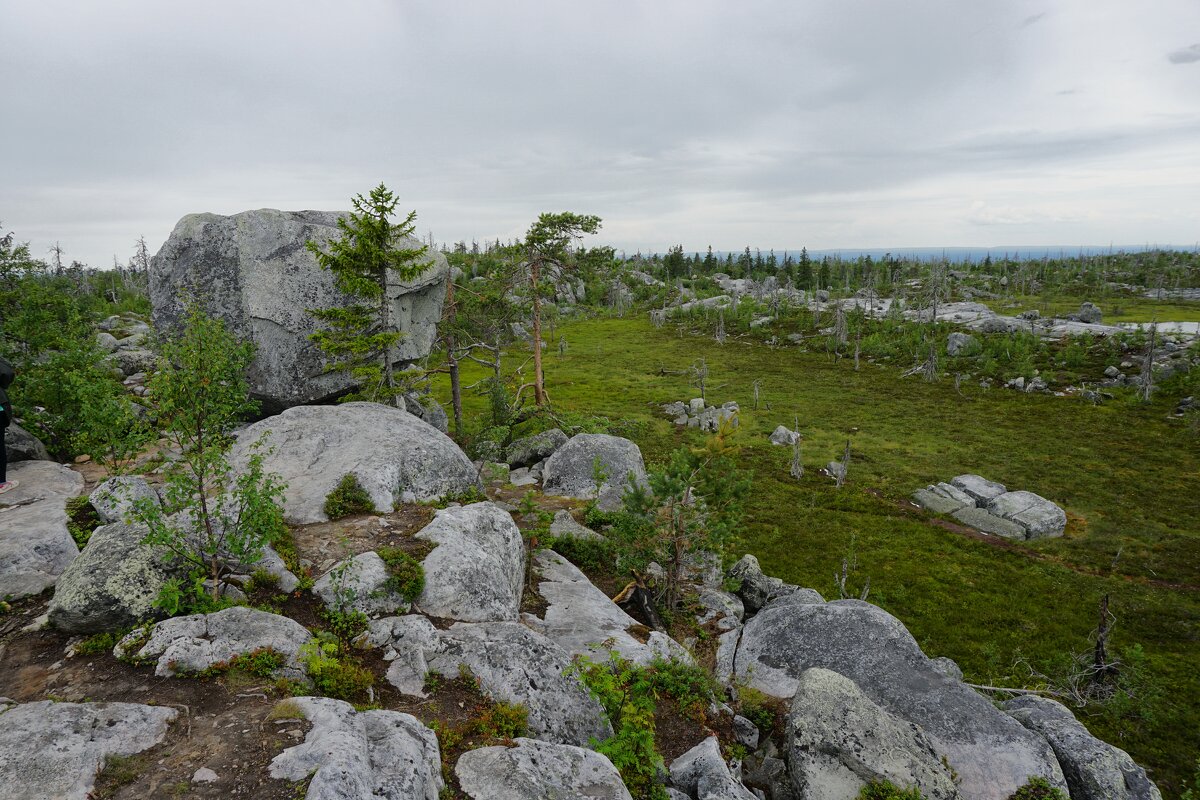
{"x": 886, "y": 790}
{"x": 1039, "y": 789}
{"x": 590, "y": 555}
{"x": 99, "y": 643}
{"x": 81, "y": 519}
{"x": 333, "y": 674}
{"x": 502, "y": 720}
{"x": 690, "y": 685}
{"x": 348, "y": 497}
{"x": 261, "y": 580}
{"x": 406, "y": 575}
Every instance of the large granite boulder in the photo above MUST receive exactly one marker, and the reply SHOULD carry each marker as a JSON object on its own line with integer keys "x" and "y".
{"x": 253, "y": 271}
{"x": 571, "y": 470}
{"x": 193, "y": 644}
{"x": 992, "y": 754}
{"x": 21, "y": 445}
{"x": 1038, "y": 516}
{"x": 1094, "y": 770}
{"x": 838, "y": 741}
{"x": 113, "y": 583}
{"x": 358, "y": 754}
{"x": 477, "y": 570}
{"x": 54, "y": 750}
{"x": 35, "y": 545}
{"x": 534, "y": 770}
{"x": 395, "y": 456}
{"x": 511, "y": 662}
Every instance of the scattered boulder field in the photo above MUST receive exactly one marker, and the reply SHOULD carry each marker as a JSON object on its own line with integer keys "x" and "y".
{"x": 991, "y": 508}
{"x": 860, "y": 700}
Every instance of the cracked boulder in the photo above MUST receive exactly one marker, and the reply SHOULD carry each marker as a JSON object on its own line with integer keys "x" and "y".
{"x": 1038, "y": 516}
{"x": 35, "y": 545}
{"x": 477, "y": 570}
{"x": 534, "y": 770}
{"x": 571, "y": 470}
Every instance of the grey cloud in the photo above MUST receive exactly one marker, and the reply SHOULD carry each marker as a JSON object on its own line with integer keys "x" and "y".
{"x": 1186, "y": 55}
{"x": 1033, "y": 19}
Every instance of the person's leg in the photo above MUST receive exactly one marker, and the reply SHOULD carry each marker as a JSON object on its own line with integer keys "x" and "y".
{"x": 3, "y": 457}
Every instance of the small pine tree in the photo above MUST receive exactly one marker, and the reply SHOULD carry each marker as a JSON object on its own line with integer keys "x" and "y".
{"x": 359, "y": 338}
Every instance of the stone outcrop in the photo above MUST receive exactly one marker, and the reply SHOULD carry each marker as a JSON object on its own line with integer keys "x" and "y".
{"x": 535, "y": 770}
{"x": 395, "y": 456}
{"x": 22, "y": 445}
{"x": 253, "y": 271}
{"x": 702, "y": 773}
{"x": 359, "y": 583}
{"x": 35, "y": 545}
{"x": 54, "y": 750}
{"x": 570, "y": 472}
{"x": 477, "y": 570}
{"x": 989, "y": 507}
{"x": 115, "y": 497}
{"x": 357, "y": 754}
{"x": 527, "y": 451}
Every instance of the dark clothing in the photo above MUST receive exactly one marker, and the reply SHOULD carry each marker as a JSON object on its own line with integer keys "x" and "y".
{"x": 6, "y": 378}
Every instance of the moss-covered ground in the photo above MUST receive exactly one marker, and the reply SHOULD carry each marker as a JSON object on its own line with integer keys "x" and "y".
{"x": 1127, "y": 474}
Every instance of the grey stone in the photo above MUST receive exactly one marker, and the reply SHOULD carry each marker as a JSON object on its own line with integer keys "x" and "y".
{"x": 54, "y": 750}
{"x": 982, "y": 520}
{"x": 937, "y": 502}
{"x": 948, "y": 667}
{"x": 718, "y": 604}
{"x": 952, "y": 492}
{"x": 570, "y": 470}
{"x": 132, "y": 361}
{"x": 428, "y": 410}
{"x": 991, "y": 753}
{"x": 522, "y": 477}
{"x": 696, "y": 405}
{"x": 1094, "y": 770}
{"x": 755, "y": 588}
{"x": 35, "y": 545}
{"x": 702, "y": 773}
{"x": 188, "y": 645}
{"x": 838, "y": 741}
{"x": 1111, "y": 372}
{"x": 406, "y": 640}
{"x": 584, "y": 621}
{"x": 527, "y": 451}
{"x": 959, "y": 343}
{"x": 675, "y": 409}
{"x": 361, "y": 754}
{"x": 253, "y": 271}
{"x": 1090, "y": 313}
{"x": 746, "y": 732}
{"x": 106, "y": 341}
{"x": 205, "y": 775}
{"x": 983, "y": 490}
{"x": 477, "y": 571}
{"x": 113, "y": 583}
{"x": 359, "y": 583}
{"x": 535, "y": 770}
{"x": 1038, "y": 516}
{"x": 783, "y": 436}
{"x": 512, "y": 663}
{"x": 390, "y": 451}
{"x": 565, "y": 526}
{"x": 21, "y": 445}
{"x": 115, "y": 497}
{"x": 727, "y": 644}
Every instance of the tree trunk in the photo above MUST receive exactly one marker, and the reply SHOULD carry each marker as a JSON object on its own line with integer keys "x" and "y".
{"x": 456, "y": 396}
{"x": 539, "y": 386}
{"x": 385, "y": 318}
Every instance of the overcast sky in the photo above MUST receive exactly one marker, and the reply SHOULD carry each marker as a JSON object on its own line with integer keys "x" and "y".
{"x": 769, "y": 124}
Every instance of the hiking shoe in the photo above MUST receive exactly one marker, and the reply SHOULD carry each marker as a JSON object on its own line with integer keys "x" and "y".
{"x": 4, "y": 487}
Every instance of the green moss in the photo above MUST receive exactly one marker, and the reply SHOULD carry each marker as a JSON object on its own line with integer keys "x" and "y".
{"x": 348, "y": 497}
{"x": 406, "y": 576}
{"x": 81, "y": 520}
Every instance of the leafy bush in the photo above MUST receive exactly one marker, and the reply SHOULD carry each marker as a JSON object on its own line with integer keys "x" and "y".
{"x": 334, "y": 674}
{"x": 590, "y": 555}
{"x": 886, "y": 790}
{"x": 348, "y": 497}
{"x": 501, "y": 720}
{"x": 1039, "y": 789}
{"x": 406, "y": 575}
{"x": 690, "y": 685}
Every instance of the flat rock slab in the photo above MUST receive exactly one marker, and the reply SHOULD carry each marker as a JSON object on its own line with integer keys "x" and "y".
{"x": 978, "y": 487}
{"x": 35, "y": 545}
{"x": 54, "y": 750}
{"x": 992, "y": 754}
{"x": 1038, "y": 516}
{"x": 981, "y": 520}
{"x": 1095, "y": 770}
{"x": 534, "y": 770}
{"x": 584, "y": 621}
{"x": 396, "y": 456}
{"x": 938, "y": 503}
{"x": 477, "y": 571}
{"x": 360, "y": 754}
{"x": 189, "y": 645}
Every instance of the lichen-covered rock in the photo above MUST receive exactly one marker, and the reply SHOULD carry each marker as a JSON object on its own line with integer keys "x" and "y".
{"x": 981, "y": 489}
{"x": 54, "y": 750}
{"x": 35, "y": 545}
{"x": 535, "y": 770}
{"x": 756, "y": 588}
{"x": 838, "y": 741}
{"x": 512, "y": 663}
{"x": 359, "y": 583}
{"x": 193, "y": 644}
{"x": 982, "y": 520}
{"x": 353, "y": 755}
{"x": 477, "y": 571}
{"x": 782, "y": 436}
{"x": 253, "y": 271}
{"x": 1095, "y": 770}
{"x": 1038, "y": 516}
{"x": 571, "y": 470}
{"x": 394, "y": 455}
{"x": 115, "y": 497}
{"x": 702, "y": 773}
{"x": 959, "y": 343}
{"x": 113, "y": 583}
{"x": 992, "y": 754}
{"x": 529, "y": 450}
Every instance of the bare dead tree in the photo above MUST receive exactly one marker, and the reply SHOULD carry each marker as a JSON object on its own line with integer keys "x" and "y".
{"x": 1147, "y": 388}
{"x": 840, "y": 334}
{"x": 931, "y": 364}
{"x": 797, "y": 469}
{"x": 1104, "y": 670}
{"x": 720, "y": 334}
{"x": 699, "y": 372}
{"x": 857, "y": 348}
{"x": 840, "y": 478}
{"x": 757, "y": 387}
